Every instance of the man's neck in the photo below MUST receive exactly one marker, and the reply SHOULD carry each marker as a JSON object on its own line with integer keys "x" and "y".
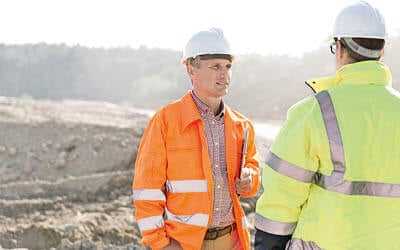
{"x": 214, "y": 103}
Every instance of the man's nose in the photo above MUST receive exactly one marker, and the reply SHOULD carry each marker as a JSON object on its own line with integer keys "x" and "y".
{"x": 225, "y": 72}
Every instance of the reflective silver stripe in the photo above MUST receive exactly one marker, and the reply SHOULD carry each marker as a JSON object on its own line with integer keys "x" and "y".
{"x": 376, "y": 189}
{"x": 194, "y": 219}
{"x": 299, "y": 244}
{"x": 245, "y": 222}
{"x": 335, "y": 182}
{"x": 289, "y": 169}
{"x": 274, "y": 227}
{"x": 194, "y": 186}
{"x": 150, "y": 223}
{"x": 332, "y": 130}
{"x": 358, "y": 187}
{"x": 148, "y": 194}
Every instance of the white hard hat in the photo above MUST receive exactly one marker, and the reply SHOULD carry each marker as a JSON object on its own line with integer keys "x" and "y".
{"x": 360, "y": 20}
{"x": 205, "y": 42}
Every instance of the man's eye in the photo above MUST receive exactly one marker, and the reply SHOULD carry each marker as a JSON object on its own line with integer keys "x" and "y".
{"x": 215, "y": 67}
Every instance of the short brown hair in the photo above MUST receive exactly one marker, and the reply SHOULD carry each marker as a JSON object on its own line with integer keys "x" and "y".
{"x": 368, "y": 43}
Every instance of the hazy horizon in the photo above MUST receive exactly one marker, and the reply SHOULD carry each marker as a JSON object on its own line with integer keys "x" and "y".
{"x": 279, "y": 28}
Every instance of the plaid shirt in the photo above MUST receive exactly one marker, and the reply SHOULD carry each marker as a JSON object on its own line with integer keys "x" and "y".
{"x": 215, "y": 135}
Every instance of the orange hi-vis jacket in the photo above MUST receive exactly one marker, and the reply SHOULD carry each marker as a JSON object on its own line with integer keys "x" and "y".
{"x": 173, "y": 182}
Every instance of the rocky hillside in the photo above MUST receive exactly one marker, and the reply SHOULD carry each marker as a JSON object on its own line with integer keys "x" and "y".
{"x": 66, "y": 170}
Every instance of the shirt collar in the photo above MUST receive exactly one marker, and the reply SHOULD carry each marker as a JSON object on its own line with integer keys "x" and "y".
{"x": 203, "y": 108}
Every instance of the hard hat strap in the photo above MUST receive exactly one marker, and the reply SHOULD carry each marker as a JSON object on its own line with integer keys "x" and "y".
{"x": 369, "y": 53}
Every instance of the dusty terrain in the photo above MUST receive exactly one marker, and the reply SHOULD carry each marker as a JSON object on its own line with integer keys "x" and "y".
{"x": 66, "y": 170}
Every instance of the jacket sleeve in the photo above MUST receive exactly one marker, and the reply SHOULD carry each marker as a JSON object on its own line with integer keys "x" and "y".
{"x": 267, "y": 241}
{"x": 291, "y": 163}
{"x": 252, "y": 162}
{"x": 149, "y": 185}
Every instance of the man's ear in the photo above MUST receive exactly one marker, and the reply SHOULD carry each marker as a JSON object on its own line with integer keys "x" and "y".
{"x": 341, "y": 50}
{"x": 189, "y": 69}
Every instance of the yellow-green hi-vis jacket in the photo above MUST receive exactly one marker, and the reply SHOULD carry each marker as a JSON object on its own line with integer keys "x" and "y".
{"x": 332, "y": 177}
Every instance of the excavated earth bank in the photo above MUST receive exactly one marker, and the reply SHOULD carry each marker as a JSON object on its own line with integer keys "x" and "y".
{"x": 66, "y": 170}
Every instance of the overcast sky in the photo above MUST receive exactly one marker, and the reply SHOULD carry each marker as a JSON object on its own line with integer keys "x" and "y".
{"x": 254, "y": 26}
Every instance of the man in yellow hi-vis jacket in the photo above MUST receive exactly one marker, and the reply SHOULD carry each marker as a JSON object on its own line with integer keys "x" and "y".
{"x": 332, "y": 179}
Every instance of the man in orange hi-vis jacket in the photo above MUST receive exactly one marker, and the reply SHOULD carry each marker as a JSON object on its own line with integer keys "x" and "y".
{"x": 189, "y": 173}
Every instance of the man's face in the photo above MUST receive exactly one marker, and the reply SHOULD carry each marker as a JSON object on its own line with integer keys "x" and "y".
{"x": 212, "y": 78}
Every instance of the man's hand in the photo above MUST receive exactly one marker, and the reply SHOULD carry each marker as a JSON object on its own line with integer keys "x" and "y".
{"x": 243, "y": 185}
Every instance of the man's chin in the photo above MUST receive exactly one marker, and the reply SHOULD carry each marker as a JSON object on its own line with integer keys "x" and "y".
{"x": 223, "y": 92}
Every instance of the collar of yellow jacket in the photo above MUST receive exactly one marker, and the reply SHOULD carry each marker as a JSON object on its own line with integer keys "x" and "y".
{"x": 366, "y": 72}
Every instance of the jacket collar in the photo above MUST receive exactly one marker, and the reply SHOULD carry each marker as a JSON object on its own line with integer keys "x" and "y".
{"x": 363, "y": 73}
{"x": 189, "y": 110}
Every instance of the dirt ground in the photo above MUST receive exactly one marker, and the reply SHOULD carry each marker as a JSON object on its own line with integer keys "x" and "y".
{"x": 66, "y": 170}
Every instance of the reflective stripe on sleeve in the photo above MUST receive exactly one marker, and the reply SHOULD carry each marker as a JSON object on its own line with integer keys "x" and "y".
{"x": 295, "y": 243}
{"x": 194, "y": 219}
{"x": 149, "y": 223}
{"x": 190, "y": 186}
{"x": 289, "y": 169}
{"x": 274, "y": 227}
{"x": 148, "y": 194}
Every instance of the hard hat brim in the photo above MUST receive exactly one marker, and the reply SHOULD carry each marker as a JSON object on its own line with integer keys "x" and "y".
{"x": 208, "y": 56}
